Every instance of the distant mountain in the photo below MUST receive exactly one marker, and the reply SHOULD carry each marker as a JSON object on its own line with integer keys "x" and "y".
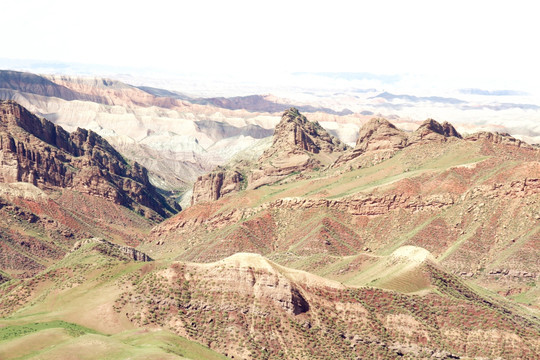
{"x": 261, "y": 103}
{"x": 414, "y": 99}
{"x": 492, "y": 92}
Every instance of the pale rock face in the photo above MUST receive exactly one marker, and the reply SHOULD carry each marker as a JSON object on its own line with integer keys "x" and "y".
{"x": 380, "y": 134}
{"x": 376, "y": 136}
{"x": 252, "y": 274}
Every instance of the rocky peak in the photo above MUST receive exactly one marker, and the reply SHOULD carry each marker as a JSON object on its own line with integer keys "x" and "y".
{"x": 296, "y": 134}
{"x": 380, "y": 134}
{"x": 431, "y": 130}
{"x": 450, "y": 130}
{"x": 36, "y": 151}
{"x": 377, "y": 136}
{"x": 298, "y": 145}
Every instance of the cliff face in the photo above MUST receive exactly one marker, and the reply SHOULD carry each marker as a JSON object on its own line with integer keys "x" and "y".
{"x": 36, "y": 151}
{"x": 296, "y": 134}
{"x": 216, "y": 184}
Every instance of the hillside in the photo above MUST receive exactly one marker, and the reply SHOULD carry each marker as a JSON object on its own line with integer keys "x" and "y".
{"x": 248, "y": 307}
{"x": 419, "y": 244}
{"x": 472, "y": 202}
{"x": 57, "y": 187}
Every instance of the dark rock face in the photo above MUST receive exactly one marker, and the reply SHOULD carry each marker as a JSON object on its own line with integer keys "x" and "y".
{"x": 299, "y": 303}
{"x": 36, "y": 151}
{"x": 449, "y": 130}
{"x": 34, "y": 84}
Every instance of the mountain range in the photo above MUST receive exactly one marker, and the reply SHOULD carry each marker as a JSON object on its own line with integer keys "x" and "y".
{"x": 296, "y": 244}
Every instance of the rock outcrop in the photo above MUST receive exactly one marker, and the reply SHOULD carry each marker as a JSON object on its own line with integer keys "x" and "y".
{"x": 295, "y": 134}
{"x": 377, "y": 136}
{"x": 36, "y": 151}
{"x": 255, "y": 276}
{"x": 112, "y": 249}
{"x": 216, "y": 184}
{"x": 298, "y": 144}
{"x": 498, "y": 138}
{"x": 433, "y": 131}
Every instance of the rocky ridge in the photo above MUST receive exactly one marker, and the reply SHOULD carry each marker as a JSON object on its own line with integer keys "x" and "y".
{"x": 36, "y": 151}
{"x": 379, "y": 140}
{"x": 371, "y": 205}
{"x": 110, "y": 248}
{"x": 348, "y": 322}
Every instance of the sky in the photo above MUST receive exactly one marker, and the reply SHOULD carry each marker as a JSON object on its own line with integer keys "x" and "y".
{"x": 484, "y": 42}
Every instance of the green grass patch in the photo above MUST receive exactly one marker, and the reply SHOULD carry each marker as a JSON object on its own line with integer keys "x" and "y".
{"x": 14, "y": 331}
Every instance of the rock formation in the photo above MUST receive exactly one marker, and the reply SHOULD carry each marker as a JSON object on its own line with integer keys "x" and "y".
{"x": 36, "y": 151}
{"x": 298, "y": 144}
{"x": 377, "y": 135}
{"x": 498, "y": 138}
{"x": 295, "y": 134}
{"x": 216, "y": 184}
{"x": 431, "y": 130}
{"x": 114, "y": 249}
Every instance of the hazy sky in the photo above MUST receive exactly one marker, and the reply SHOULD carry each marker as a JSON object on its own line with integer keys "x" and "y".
{"x": 495, "y": 40}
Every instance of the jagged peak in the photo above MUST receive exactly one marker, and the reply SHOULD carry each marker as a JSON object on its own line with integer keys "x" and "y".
{"x": 446, "y": 129}
{"x": 450, "y": 130}
{"x": 379, "y": 133}
{"x": 296, "y": 133}
{"x": 432, "y": 130}
{"x": 46, "y": 155}
{"x": 292, "y": 113}
{"x": 80, "y": 141}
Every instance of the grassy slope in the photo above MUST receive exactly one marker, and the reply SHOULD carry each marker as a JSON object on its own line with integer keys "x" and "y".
{"x": 69, "y": 312}
{"x": 459, "y": 236}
